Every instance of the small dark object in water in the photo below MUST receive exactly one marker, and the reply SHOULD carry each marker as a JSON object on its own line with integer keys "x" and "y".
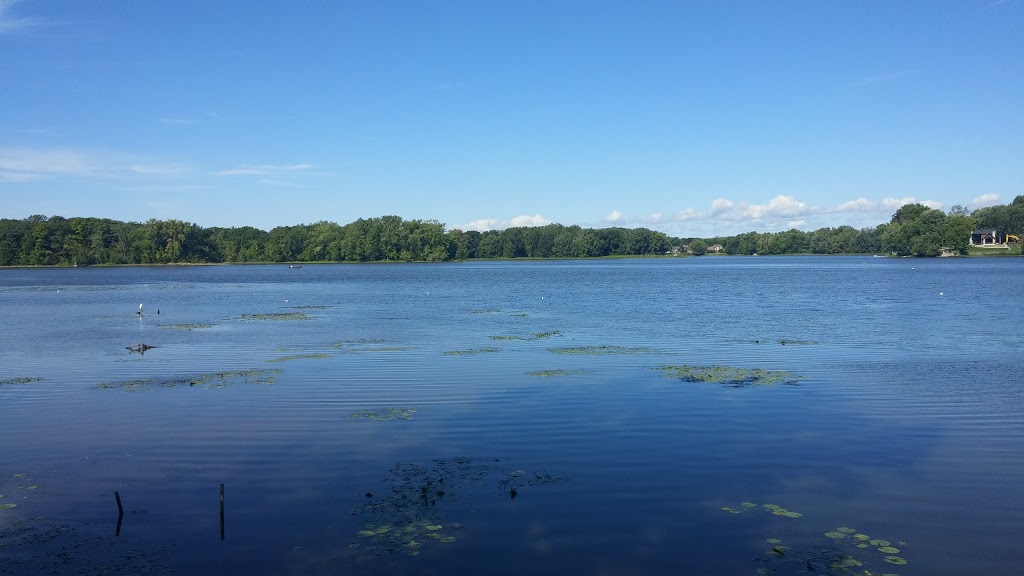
{"x": 157, "y": 310}
{"x": 369, "y": 495}
{"x": 512, "y": 494}
{"x": 440, "y": 493}
{"x": 141, "y": 348}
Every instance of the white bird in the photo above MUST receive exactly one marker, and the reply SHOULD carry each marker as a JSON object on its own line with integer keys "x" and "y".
{"x": 140, "y": 309}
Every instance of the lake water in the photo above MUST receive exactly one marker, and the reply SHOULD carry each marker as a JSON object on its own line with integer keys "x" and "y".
{"x": 905, "y": 423}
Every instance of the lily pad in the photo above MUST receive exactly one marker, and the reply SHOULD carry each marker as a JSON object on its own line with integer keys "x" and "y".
{"x": 299, "y": 357}
{"x": 895, "y": 560}
{"x": 195, "y": 326}
{"x": 845, "y": 530}
{"x": 835, "y": 535}
{"x": 212, "y": 380}
{"x": 889, "y": 550}
{"x": 598, "y": 350}
{"x": 276, "y": 316}
{"x": 471, "y": 352}
{"x": 7, "y": 506}
{"x": 877, "y": 542}
{"x": 19, "y": 380}
{"x": 728, "y": 375}
{"x": 386, "y": 415}
{"x": 553, "y": 373}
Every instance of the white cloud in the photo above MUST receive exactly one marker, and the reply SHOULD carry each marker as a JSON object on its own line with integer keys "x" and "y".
{"x": 781, "y": 206}
{"x": 796, "y": 224}
{"x": 485, "y": 224}
{"x": 279, "y": 183}
{"x": 614, "y": 217}
{"x": 985, "y": 200}
{"x": 687, "y": 215}
{"x": 536, "y": 220}
{"x": 158, "y": 169}
{"x": 265, "y": 169}
{"x": 11, "y": 23}
{"x": 859, "y": 205}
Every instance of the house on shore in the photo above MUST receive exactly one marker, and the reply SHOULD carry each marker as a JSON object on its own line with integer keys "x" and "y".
{"x": 992, "y": 238}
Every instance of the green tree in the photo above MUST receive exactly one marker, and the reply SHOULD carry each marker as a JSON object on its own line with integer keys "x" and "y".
{"x": 699, "y": 247}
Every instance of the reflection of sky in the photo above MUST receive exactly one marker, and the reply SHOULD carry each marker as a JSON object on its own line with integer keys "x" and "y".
{"x": 892, "y": 442}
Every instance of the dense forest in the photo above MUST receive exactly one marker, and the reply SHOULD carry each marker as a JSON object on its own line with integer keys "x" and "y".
{"x": 46, "y": 241}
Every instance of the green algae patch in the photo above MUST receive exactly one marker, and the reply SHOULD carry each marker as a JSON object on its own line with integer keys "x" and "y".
{"x": 186, "y": 327}
{"x": 507, "y": 338}
{"x": 728, "y": 375}
{"x": 8, "y": 381}
{"x": 471, "y": 352}
{"x": 554, "y": 373}
{"x": 276, "y": 316}
{"x": 300, "y": 357}
{"x": 599, "y": 350}
{"x": 381, "y": 349}
{"x": 211, "y": 380}
{"x": 416, "y": 499}
{"x": 385, "y": 415}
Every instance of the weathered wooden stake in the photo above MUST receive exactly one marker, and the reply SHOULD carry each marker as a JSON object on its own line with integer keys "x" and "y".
{"x": 120, "y": 513}
{"x": 221, "y": 511}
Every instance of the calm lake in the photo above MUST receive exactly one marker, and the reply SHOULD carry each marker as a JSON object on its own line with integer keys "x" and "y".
{"x": 516, "y": 418}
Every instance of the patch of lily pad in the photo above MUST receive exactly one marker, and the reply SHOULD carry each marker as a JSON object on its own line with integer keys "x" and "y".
{"x": 189, "y": 327}
{"x": 276, "y": 316}
{"x": 554, "y": 373}
{"x": 8, "y": 381}
{"x": 785, "y": 342}
{"x": 413, "y": 506}
{"x": 729, "y": 375}
{"x": 291, "y": 357}
{"x": 599, "y": 350}
{"x": 471, "y": 352}
{"x": 385, "y": 415}
{"x": 211, "y": 380}
{"x": 316, "y": 307}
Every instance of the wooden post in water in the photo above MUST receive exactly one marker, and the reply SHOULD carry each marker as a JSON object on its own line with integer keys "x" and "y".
{"x": 221, "y": 511}
{"x": 120, "y": 513}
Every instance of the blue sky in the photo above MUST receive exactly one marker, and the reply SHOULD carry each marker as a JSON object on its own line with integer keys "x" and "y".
{"x": 694, "y": 118}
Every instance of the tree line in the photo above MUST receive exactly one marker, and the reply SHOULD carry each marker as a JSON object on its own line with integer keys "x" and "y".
{"x": 38, "y": 240}
{"x": 48, "y": 241}
{"x": 914, "y": 230}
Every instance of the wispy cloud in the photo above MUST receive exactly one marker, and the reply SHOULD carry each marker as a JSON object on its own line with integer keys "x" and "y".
{"x": 279, "y": 183}
{"x": 30, "y": 164}
{"x": 485, "y": 224}
{"x": 9, "y": 23}
{"x": 266, "y": 169}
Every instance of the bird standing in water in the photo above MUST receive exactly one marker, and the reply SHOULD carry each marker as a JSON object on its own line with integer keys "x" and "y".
{"x": 140, "y": 310}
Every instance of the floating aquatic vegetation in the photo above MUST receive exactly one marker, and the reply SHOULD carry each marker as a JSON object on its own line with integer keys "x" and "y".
{"x": 316, "y": 307}
{"x": 552, "y": 373}
{"x": 300, "y": 357}
{"x": 598, "y": 350}
{"x": 889, "y": 550}
{"x": 415, "y": 507}
{"x": 729, "y": 375}
{"x": 213, "y": 380}
{"x": 381, "y": 349}
{"x": 195, "y": 326}
{"x": 8, "y": 506}
{"x": 20, "y": 380}
{"x": 471, "y": 352}
{"x": 276, "y": 316}
{"x": 842, "y": 551}
{"x": 507, "y": 338}
{"x": 489, "y": 311}
{"x": 387, "y": 414}
{"x": 784, "y": 342}
{"x": 773, "y": 508}
{"x": 543, "y": 335}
